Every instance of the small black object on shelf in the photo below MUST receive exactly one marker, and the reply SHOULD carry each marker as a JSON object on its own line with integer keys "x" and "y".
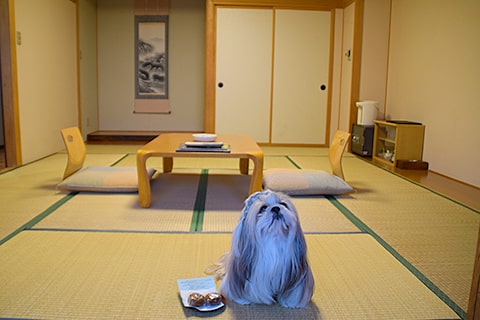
{"x": 403, "y": 122}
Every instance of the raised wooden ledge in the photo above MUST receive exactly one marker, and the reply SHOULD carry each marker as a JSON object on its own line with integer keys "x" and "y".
{"x": 122, "y": 136}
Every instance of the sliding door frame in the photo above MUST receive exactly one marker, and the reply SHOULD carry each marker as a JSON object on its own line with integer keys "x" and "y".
{"x": 210, "y": 43}
{"x": 8, "y": 67}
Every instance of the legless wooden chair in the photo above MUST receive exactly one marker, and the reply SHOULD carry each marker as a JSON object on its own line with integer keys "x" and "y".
{"x": 313, "y": 182}
{"x": 76, "y": 150}
{"x": 93, "y": 179}
{"x": 336, "y": 150}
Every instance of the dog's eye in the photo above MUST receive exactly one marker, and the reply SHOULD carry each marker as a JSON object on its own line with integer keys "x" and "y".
{"x": 262, "y": 210}
{"x": 284, "y": 204}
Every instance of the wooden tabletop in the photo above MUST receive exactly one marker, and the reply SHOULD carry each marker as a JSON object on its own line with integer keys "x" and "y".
{"x": 166, "y": 144}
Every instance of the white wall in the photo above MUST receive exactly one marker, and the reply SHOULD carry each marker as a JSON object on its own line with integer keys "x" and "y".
{"x": 433, "y": 78}
{"x": 47, "y": 74}
{"x": 116, "y": 85}
{"x": 373, "y": 73}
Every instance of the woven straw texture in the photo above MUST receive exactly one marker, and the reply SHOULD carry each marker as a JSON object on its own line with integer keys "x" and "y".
{"x": 77, "y": 275}
{"x": 101, "y": 256}
{"x": 173, "y": 202}
{"x": 29, "y": 190}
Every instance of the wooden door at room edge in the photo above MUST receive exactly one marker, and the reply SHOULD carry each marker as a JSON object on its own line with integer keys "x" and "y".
{"x": 2, "y": 137}
{"x": 272, "y": 74}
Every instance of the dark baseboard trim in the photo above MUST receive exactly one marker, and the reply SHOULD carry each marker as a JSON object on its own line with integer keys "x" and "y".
{"x": 121, "y": 137}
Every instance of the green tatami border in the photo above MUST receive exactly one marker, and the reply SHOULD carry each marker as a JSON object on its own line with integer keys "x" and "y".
{"x": 39, "y": 217}
{"x": 417, "y": 273}
{"x": 199, "y": 206}
{"x": 366, "y": 229}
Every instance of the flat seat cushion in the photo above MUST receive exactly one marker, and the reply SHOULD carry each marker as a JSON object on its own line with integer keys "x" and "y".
{"x": 304, "y": 182}
{"x": 103, "y": 179}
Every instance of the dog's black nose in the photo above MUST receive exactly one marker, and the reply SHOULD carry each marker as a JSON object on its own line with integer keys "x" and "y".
{"x": 276, "y": 212}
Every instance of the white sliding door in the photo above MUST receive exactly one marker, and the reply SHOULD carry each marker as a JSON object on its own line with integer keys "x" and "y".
{"x": 272, "y": 72}
{"x": 243, "y": 72}
{"x": 301, "y": 72}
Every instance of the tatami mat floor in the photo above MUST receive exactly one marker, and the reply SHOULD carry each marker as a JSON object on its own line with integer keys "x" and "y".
{"x": 390, "y": 250}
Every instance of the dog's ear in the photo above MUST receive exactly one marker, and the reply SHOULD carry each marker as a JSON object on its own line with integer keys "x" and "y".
{"x": 240, "y": 260}
{"x": 243, "y": 239}
{"x": 243, "y": 242}
{"x": 240, "y": 240}
{"x": 243, "y": 250}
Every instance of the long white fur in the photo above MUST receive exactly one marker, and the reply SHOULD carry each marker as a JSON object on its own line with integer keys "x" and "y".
{"x": 268, "y": 259}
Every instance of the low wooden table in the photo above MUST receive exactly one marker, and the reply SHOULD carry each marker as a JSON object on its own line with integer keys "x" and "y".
{"x": 165, "y": 145}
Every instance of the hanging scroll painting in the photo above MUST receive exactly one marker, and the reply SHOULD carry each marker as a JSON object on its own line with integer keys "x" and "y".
{"x": 151, "y": 61}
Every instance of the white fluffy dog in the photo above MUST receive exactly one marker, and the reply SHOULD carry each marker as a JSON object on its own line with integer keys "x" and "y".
{"x": 268, "y": 259}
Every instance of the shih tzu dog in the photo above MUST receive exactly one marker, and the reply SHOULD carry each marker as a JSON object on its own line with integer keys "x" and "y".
{"x": 268, "y": 259}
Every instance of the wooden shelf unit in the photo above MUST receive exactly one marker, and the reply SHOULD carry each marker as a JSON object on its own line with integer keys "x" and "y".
{"x": 401, "y": 141}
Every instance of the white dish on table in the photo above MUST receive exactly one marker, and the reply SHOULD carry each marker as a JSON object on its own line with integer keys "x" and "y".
{"x": 204, "y": 137}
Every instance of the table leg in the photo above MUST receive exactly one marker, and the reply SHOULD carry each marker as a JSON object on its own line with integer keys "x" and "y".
{"x": 167, "y": 164}
{"x": 244, "y": 165}
{"x": 257, "y": 175}
{"x": 144, "y": 191}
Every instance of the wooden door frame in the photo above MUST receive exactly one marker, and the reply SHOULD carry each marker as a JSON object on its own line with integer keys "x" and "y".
{"x": 8, "y": 63}
{"x": 210, "y": 40}
{"x": 356, "y": 61}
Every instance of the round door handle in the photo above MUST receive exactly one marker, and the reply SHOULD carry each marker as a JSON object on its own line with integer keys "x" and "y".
{"x": 323, "y": 87}
{"x": 220, "y": 84}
